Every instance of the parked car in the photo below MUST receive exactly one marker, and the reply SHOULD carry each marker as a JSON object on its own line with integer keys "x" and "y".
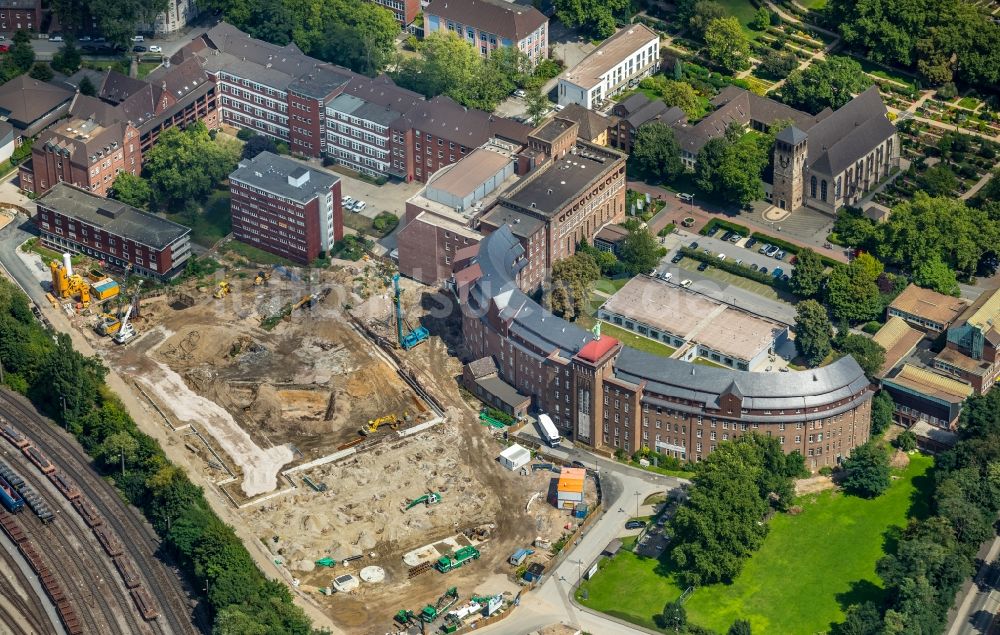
{"x": 677, "y": 258}
{"x": 138, "y": 38}
{"x": 751, "y": 242}
{"x": 347, "y": 201}
{"x": 703, "y": 266}
{"x": 138, "y": 49}
{"x": 4, "y": 48}
{"x": 85, "y": 38}
{"x": 57, "y": 37}
{"x": 735, "y": 238}
{"x": 764, "y": 248}
{"x": 763, "y": 269}
{"x": 777, "y": 272}
{"x": 684, "y": 196}
{"x": 721, "y": 256}
{"x": 754, "y": 267}
{"x": 666, "y": 275}
{"x": 779, "y": 255}
{"x": 713, "y": 232}
{"x": 578, "y": 464}
{"x": 520, "y": 93}
{"x": 558, "y": 107}
{"x": 771, "y": 250}
{"x": 727, "y": 235}
{"x": 155, "y": 49}
{"x": 635, "y": 524}
{"x": 784, "y": 277}
{"x": 686, "y": 282}
{"x": 359, "y": 206}
{"x": 739, "y": 261}
{"x": 693, "y": 245}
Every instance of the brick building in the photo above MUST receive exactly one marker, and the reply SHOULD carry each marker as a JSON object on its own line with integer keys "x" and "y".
{"x": 487, "y": 25}
{"x": 20, "y": 14}
{"x": 972, "y": 352}
{"x": 576, "y": 189}
{"x": 609, "y": 396}
{"x": 72, "y": 219}
{"x": 405, "y": 11}
{"x": 286, "y": 207}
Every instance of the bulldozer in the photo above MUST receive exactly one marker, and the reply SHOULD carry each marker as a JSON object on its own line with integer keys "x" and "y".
{"x": 262, "y": 277}
{"x": 223, "y": 290}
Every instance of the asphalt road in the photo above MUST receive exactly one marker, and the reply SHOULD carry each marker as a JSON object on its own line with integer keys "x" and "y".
{"x": 11, "y": 237}
{"x": 979, "y": 600}
{"x": 45, "y": 48}
{"x": 736, "y": 251}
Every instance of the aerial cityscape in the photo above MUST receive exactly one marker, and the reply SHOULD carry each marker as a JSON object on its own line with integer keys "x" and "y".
{"x": 518, "y": 317}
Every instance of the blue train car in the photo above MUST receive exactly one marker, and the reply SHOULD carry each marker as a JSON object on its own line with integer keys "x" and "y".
{"x": 10, "y": 497}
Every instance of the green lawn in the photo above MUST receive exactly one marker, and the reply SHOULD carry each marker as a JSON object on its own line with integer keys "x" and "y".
{"x": 701, "y": 361}
{"x": 810, "y": 566}
{"x": 610, "y": 285}
{"x": 744, "y": 12}
{"x": 628, "y": 338}
{"x": 145, "y": 68}
{"x": 212, "y": 223}
{"x": 813, "y": 4}
{"x": 254, "y": 255}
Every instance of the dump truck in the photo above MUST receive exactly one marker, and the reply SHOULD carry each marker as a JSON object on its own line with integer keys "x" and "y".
{"x": 457, "y": 559}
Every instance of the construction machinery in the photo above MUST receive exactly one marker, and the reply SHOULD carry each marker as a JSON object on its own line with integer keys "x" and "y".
{"x": 223, "y": 290}
{"x": 374, "y": 424}
{"x": 126, "y": 331}
{"x": 432, "y": 611}
{"x": 262, "y": 277}
{"x": 428, "y": 499}
{"x": 457, "y": 559}
{"x": 306, "y": 301}
{"x": 66, "y": 284}
{"x": 405, "y": 617}
{"x": 408, "y": 338}
{"x": 107, "y": 324}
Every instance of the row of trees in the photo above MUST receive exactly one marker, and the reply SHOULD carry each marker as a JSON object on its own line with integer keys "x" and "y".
{"x": 116, "y": 20}
{"x": 934, "y": 556}
{"x": 943, "y": 40}
{"x": 19, "y": 58}
{"x": 722, "y": 523}
{"x": 49, "y": 370}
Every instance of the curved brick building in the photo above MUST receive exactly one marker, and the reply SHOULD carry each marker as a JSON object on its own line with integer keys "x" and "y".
{"x": 610, "y": 396}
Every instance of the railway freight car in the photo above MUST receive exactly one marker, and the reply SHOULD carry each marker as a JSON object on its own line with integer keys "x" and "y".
{"x": 10, "y": 497}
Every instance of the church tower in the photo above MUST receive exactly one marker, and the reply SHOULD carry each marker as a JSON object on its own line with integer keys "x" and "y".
{"x": 788, "y": 185}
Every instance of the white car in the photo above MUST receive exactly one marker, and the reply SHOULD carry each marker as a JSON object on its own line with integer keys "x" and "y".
{"x": 520, "y": 93}
{"x": 686, "y": 283}
{"x": 721, "y": 256}
{"x": 347, "y": 202}
{"x": 55, "y": 38}
{"x": 359, "y": 206}
{"x": 666, "y": 275}
{"x": 558, "y": 107}
{"x": 155, "y": 49}
{"x": 138, "y": 38}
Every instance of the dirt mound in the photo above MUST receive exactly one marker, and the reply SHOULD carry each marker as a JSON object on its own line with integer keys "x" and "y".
{"x": 204, "y": 345}
{"x": 900, "y": 459}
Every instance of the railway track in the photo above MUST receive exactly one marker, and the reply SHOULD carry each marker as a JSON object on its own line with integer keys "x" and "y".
{"x": 16, "y": 609}
{"x": 139, "y": 540}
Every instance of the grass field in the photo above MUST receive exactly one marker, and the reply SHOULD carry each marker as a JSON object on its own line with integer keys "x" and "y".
{"x": 744, "y": 12}
{"x": 827, "y": 554}
{"x": 254, "y": 255}
{"x": 214, "y": 221}
{"x": 610, "y": 285}
{"x": 145, "y": 68}
{"x": 628, "y": 338}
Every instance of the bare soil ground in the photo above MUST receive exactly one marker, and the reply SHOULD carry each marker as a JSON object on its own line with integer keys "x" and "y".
{"x": 266, "y": 401}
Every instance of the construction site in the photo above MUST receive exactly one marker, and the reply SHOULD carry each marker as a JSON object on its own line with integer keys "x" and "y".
{"x": 331, "y": 420}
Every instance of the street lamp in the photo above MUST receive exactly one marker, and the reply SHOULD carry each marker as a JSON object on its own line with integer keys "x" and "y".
{"x": 579, "y": 571}
{"x": 637, "y": 504}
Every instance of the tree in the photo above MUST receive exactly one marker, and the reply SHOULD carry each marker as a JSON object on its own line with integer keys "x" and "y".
{"x": 171, "y": 492}
{"x": 882, "y": 409}
{"x": 41, "y": 71}
{"x": 674, "y": 93}
{"x": 868, "y": 353}
{"x": 67, "y": 59}
{"x": 851, "y": 292}
{"x": 934, "y": 274}
{"x": 938, "y": 180}
{"x": 185, "y": 165}
{"x": 656, "y": 152}
{"x": 860, "y": 619}
{"x": 87, "y": 87}
{"x": 258, "y": 143}
{"x": 867, "y": 470}
{"x": 358, "y": 35}
{"x": 825, "y": 83}
{"x": 727, "y": 44}
{"x": 19, "y": 59}
{"x": 703, "y": 13}
{"x": 446, "y": 64}
{"x": 807, "y": 277}
{"x": 537, "y": 104}
{"x": 708, "y": 162}
{"x": 595, "y": 17}
{"x": 640, "y": 251}
{"x": 740, "y": 627}
{"x": 117, "y": 449}
{"x": 116, "y": 20}
{"x": 907, "y": 441}
{"x": 813, "y": 332}
{"x": 778, "y": 65}
{"x": 761, "y": 19}
{"x": 743, "y": 164}
{"x": 674, "y": 616}
{"x": 572, "y": 280}
{"x": 132, "y": 190}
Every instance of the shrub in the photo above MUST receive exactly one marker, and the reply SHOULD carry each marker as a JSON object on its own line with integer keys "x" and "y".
{"x": 244, "y": 134}
{"x": 826, "y": 470}
{"x": 385, "y": 222}
{"x": 907, "y": 442}
{"x": 872, "y": 327}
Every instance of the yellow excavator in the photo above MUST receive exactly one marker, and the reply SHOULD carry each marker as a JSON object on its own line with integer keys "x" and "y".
{"x": 223, "y": 290}
{"x": 262, "y": 277}
{"x": 374, "y": 424}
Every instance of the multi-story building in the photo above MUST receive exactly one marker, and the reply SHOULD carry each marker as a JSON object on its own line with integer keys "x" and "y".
{"x": 972, "y": 352}
{"x": 322, "y": 110}
{"x": 487, "y": 25}
{"x": 286, "y": 207}
{"x": 72, "y": 219}
{"x": 594, "y": 126}
{"x": 608, "y": 396}
{"x": 637, "y": 111}
{"x": 577, "y": 189}
{"x": 176, "y": 16}
{"x": 87, "y": 150}
{"x": 20, "y": 14}
{"x": 405, "y": 11}
{"x": 30, "y": 106}
{"x": 925, "y": 309}
{"x": 618, "y": 64}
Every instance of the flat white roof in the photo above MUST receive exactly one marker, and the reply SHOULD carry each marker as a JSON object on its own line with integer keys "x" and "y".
{"x": 515, "y": 453}
{"x": 610, "y": 53}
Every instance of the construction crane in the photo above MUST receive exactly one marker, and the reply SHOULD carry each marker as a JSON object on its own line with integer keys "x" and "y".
{"x": 408, "y": 338}
{"x": 126, "y": 331}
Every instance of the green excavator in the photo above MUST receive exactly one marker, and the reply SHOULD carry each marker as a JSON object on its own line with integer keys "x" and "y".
{"x": 431, "y": 498}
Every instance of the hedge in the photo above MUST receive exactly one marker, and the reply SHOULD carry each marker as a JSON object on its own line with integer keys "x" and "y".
{"x": 735, "y": 269}
{"x": 724, "y": 224}
{"x": 791, "y": 248}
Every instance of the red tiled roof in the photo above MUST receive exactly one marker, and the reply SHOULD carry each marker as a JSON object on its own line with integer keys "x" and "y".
{"x": 596, "y": 349}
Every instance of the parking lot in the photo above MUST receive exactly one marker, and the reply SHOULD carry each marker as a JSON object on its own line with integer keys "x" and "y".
{"x": 733, "y": 251}
{"x": 390, "y": 197}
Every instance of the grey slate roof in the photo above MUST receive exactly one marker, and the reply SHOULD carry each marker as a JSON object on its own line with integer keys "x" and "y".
{"x": 24, "y": 100}
{"x": 592, "y": 124}
{"x": 849, "y": 133}
{"x": 632, "y": 103}
{"x": 791, "y": 135}
{"x": 270, "y": 172}
{"x": 113, "y": 216}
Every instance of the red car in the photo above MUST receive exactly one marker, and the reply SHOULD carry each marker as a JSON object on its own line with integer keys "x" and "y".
{"x": 4, "y": 48}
